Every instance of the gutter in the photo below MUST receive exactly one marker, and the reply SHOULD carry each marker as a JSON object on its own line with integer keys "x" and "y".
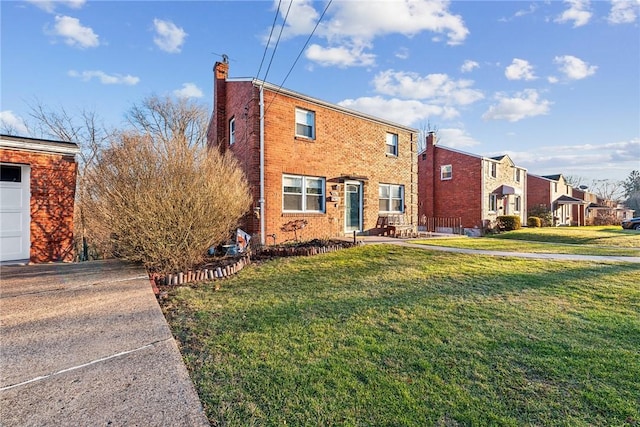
{"x": 261, "y": 200}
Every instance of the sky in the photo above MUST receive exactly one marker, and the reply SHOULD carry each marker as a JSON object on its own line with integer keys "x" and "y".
{"x": 553, "y": 84}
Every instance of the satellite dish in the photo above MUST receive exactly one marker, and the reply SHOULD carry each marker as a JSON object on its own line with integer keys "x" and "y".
{"x": 583, "y": 187}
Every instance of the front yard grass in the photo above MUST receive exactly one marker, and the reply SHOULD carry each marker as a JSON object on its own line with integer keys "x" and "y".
{"x": 606, "y": 240}
{"x": 385, "y": 335}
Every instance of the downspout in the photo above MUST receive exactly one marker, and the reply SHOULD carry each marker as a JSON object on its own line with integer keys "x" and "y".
{"x": 261, "y": 200}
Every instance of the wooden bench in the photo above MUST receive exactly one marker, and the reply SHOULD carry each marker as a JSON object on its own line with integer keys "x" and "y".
{"x": 395, "y": 225}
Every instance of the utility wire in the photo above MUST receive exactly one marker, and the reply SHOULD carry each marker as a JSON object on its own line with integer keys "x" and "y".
{"x": 298, "y": 57}
{"x": 273, "y": 25}
{"x": 277, "y": 41}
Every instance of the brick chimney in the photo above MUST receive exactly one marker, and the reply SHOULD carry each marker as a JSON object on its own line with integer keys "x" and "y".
{"x": 217, "y": 134}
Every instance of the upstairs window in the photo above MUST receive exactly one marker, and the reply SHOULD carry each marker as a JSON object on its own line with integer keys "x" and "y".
{"x": 494, "y": 170}
{"x": 232, "y": 131}
{"x": 391, "y": 198}
{"x": 305, "y": 123}
{"x": 302, "y": 193}
{"x": 392, "y": 144}
{"x": 516, "y": 175}
{"x": 446, "y": 172}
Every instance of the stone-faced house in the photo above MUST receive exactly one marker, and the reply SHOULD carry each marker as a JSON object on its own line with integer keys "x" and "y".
{"x": 311, "y": 162}
{"x": 555, "y": 194}
{"x": 37, "y": 191}
{"x": 475, "y": 189}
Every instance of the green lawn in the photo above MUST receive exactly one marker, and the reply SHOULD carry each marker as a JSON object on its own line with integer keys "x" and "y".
{"x": 612, "y": 241}
{"x": 385, "y": 335}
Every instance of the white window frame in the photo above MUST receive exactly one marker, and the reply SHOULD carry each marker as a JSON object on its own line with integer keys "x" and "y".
{"x": 493, "y": 200}
{"x": 312, "y": 125}
{"x": 305, "y": 180}
{"x": 493, "y": 170}
{"x": 517, "y": 203}
{"x": 232, "y": 131}
{"x": 391, "y": 144}
{"x": 446, "y": 172}
{"x": 390, "y": 197}
{"x": 516, "y": 175}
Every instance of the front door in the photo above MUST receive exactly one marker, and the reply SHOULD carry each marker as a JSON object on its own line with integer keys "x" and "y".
{"x": 353, "y": 206}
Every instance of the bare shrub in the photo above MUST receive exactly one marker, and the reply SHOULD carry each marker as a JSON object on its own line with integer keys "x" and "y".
{"x": 164, "y": 202}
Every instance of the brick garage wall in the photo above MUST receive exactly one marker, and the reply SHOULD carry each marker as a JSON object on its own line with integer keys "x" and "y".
{"x": 457, "y": 197}
{"x": 538, "y": 192}
{"x": 53, "y": 185}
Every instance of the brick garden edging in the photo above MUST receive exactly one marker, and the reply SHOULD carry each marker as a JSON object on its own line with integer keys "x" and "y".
{"x": 218, "y": 273}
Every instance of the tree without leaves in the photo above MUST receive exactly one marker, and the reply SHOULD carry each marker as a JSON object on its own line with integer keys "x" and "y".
{"x": 632, "y": 191}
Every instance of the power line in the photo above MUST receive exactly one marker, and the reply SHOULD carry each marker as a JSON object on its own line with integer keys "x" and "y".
{"x": 299, "y": 55}
{"x": 277, "y": 41}
{"x": 273, "y": 25}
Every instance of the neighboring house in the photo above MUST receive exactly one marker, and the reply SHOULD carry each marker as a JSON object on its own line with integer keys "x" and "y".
{"x": 476, "y": 189}
{"x": 312, "y": 163}
{"x": 37, "y": 191}
{"x": 599, "y": 210}
{"x": 555, "y": 194}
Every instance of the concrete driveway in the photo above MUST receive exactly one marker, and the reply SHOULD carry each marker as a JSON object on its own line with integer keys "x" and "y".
{"x": 87, "y": 345}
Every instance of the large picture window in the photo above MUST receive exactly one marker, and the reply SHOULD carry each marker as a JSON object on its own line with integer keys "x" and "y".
{"x": 305, "y": 123}
{"x": 391, "y": 198}
{"x": 302, "y": 193}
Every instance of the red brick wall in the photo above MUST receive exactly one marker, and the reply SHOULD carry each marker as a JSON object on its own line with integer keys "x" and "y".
{"x": 345, "y": 145}
{"x": 538, "y": 192}
{"x": 53, "y": 185}
{"x": 460, "y": 196}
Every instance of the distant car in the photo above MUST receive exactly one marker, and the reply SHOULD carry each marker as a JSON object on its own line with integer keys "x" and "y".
{"x": 631, "y": 224}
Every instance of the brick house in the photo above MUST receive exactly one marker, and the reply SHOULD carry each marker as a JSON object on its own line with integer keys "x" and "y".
{"x": 555, "y": 194}
{"x": 310, "y": 161}
{"x": 454, "y": 184}
{"x": 598, "y": 209}
{"x": 37, "y": 191}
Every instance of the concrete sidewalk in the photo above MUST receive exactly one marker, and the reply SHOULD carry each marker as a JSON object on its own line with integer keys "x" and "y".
{"x": 86, "y": 345}
{"x": 369, "y": 240}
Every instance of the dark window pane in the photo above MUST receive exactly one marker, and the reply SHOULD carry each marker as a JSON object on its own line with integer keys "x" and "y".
{"x": 292, "y": 202}
{"x": 10, "y": 173}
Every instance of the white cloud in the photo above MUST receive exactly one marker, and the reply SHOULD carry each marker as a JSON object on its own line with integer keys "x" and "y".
{"x": 12, "y": 124}
{"x": 189, "y": 90}
{"x": 402, "y": 53}
{"x": 519, "y": 69}
{"x": 74, "y": 33}
{"x": 352, "y": 26}
{"x": 468, "y": 66}
{"x": 578, "y": 13}
{"x": 50, "y": 5}
{"x": 614, "y": 159}
{"x": 169, "y": 37}
{"x": 624, "y": 11}
{"x": 405, "y": 112}
{"x": 553, "y": 79}
{"x": 341, "y": 56}
{"x": 106, "y": 79}
{"x": 439, "y": 88}
{"x": 456, "y": 138}
{"x": 523, "y": 105}
{"x": 574, "y": 68}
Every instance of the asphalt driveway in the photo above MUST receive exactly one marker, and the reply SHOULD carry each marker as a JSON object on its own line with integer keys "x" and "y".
{"x": 87, "y": 345}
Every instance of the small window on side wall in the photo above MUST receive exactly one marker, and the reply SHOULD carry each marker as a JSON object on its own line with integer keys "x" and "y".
{"x": 446, "y": 172}
{"x": 516, "y": 177}
{"x": 305, "y": 123}
{"x": 493, "y": 202}
{"x": 232, "y": 131}
{"x": 391, "y": 144}
{"x": 494, "y": 170}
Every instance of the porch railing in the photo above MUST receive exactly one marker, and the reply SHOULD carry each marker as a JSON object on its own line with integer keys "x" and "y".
{"x": 447, "y": 225}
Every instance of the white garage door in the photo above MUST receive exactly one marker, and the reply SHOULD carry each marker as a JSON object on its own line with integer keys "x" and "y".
{"x": 14, "y": 212}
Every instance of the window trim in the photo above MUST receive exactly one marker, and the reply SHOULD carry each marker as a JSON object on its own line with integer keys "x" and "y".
{"x": 517, "y": 204}
{"x": 303, "y": 195}
{"x": 394, "y": 144}
{"x": 312, "y": 126}
{"x": 449, "y": 176}
{"x": 232, "y": 130}
{"x": 517, "y": 175}
{"x": 493, "y": 170}
{"x": 390, "y": 199}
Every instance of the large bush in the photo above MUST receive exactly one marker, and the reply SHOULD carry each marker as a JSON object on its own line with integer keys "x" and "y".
{"x": 509, "y": 222}
{"x": 533, "y": 221}
{"x": 163, "y": 201}
{"x": 542, "y": 212}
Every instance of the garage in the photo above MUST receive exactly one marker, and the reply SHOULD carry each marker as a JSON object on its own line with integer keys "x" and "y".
{"x": 14, "y": 212}
{"x": 37, "y": 195}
